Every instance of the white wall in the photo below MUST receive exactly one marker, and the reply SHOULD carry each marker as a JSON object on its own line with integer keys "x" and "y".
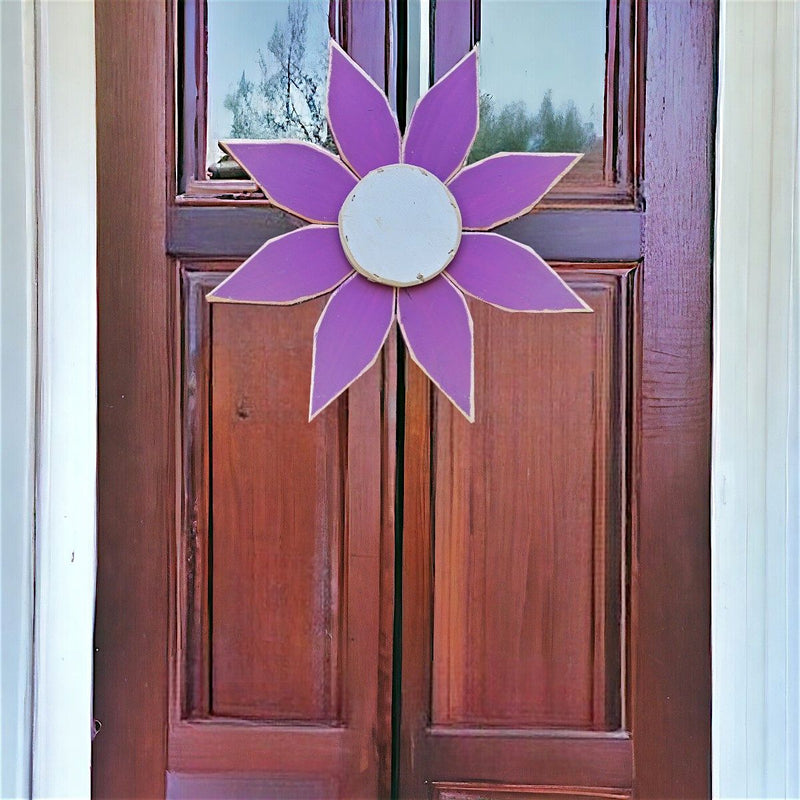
{"x": 756, "y": 466}
{"x": 17, "y": 336}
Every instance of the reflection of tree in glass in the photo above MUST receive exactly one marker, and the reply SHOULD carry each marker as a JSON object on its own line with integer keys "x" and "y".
{"x": 288, "y": 102}
{"x": 514, "y": 129}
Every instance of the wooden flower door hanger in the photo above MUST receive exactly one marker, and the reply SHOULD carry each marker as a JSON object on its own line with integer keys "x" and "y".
{"x": 399, "y": 251}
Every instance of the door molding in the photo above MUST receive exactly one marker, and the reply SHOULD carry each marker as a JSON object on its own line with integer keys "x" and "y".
{"x": 67, "y": 398}
{"x": 756, "y": 414}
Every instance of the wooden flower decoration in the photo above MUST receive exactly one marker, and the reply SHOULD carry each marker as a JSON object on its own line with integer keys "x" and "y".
{"x": 399, "y": 229}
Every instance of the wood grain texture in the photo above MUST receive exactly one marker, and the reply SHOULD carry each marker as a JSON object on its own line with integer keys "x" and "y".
{"x": 649, "y": 472}
{"x": 213, "y": 786}
{"x": 514, "y": 624}
{"x": 276, "y": 556}
{"x": 190, "y": 687}
{"x": 269, "y": 639}
{"x": 663, "y": 476}
{"x": 153, "y": 621}
{"x": 519, "y": 552}
{"x": 501, "y": 791}
{"x": 672, "y": 571}
{"x": 136, "y": 434}
{"x": 558, "y": 760}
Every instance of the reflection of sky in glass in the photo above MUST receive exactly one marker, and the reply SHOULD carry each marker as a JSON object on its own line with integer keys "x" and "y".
{"x": 236, "y": 31}
{"x": 527, "y": 47}
{"x": 530, "y": 46}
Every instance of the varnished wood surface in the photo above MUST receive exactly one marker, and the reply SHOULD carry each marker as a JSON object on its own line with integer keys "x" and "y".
{"x": 515, "y": 625}
{"x": 319, "y": 715}
{"x": 284, "y": 679}
{"x": 443, "y": 790}
{"x": 136, "y": 466}
{"x": 527, "y": 505}
{"x": 460, "y": 595}
{"x": 671, "y": 583}
{"x": 276, "y": 582}
{"x": 605, "y": 691}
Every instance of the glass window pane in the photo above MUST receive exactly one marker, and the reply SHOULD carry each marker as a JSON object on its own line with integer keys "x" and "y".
{"x": 542, "y": 68}
{"x": 267, "y": 67}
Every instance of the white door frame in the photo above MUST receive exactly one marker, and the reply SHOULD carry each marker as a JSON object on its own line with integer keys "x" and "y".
{"x": 756, "y": 408}
{"x": 17, "y": 395}
{"x": 66, "y": 428}
{"x": 756, "y": 418}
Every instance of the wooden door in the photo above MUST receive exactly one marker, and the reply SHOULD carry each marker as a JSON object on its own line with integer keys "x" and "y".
{"x": 245, "y": 560}
{"x": 555, "y": 554}
{"x": 390, "y": 601}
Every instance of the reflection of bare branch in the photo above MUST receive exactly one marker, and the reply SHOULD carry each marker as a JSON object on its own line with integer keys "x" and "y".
{"x": 288, "y": 100}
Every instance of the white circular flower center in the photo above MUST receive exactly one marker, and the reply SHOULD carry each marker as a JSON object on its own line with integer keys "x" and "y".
{"x": 400, "y": 225}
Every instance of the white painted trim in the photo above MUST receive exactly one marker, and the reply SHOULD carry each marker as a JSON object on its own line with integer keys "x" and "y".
{"x": 756, "y": 465}
{"x": 67, "y": 399}
{"x": 17, "y": 374}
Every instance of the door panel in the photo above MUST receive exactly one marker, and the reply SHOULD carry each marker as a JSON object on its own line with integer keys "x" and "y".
{"x": 276, "y": 616}
{"x": 279, "y": 658}
{"x": 515, "y": 630}
{"x": 528, "y": 530}
{"x": 455, "y": 791}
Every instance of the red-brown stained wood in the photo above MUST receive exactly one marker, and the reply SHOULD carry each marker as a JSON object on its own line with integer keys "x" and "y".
{"x": 315, "y": 649}
{"x": 213, "y": 786}
{"x": 190, "y": 669}
{"x": 136, "y": 459}
{"x": 576, "y": 235}
{"x": 277, "y": 520}
{"x": 515, "y": 626}
{"x": 672, "y": 697}
{"x": 528, "y": 502}
{"x": 453, "y": 680}
{"x": 474, "y": 791}
{"x": 611, "y": 614}
{"x": 260, "y": 366}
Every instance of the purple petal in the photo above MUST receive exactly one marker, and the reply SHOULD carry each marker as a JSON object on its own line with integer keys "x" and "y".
{"x": 445, "y": 121}
{"x": 348, "y": 337}
{"x": 509, "y": 275}
{"x": 364, "y": 128}
{"x": 301, "y": 178}
{"x": 437, "y": 327}
{"x": 507, "y": 185}
{"x": 288, "y": 269}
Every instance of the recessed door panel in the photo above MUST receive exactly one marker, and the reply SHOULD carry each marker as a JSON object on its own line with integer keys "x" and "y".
{"x": 275, "y": 584}
{"x": 528, "y": 520}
